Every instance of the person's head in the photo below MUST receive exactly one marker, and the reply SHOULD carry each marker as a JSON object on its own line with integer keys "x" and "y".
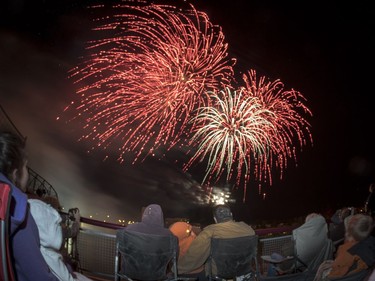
{"x": 13, "y": 159}
{"x": 182, "y": 230}
{"x": 222, "y": 213}
{"x": 311, "y": 216}
{"x": 153, "y": 214}
{"x": 358, "y": 227}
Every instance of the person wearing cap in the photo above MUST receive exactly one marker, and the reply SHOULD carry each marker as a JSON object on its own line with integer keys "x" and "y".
{"x": 185, "y": 233}
{"x": 224, "y": 227}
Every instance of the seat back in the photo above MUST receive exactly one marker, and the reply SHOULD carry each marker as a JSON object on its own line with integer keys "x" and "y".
{"x": 325, "y": 253}
{"x": 233, "y": 257}
{"x": 301, "y": 271}
{"x": 143, "y": 256}
{"x": 6, "y": 269}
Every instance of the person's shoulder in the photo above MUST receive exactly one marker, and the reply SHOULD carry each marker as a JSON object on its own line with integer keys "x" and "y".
{"x": 241, "y": 223}
{"x": 131, "y": 227}
{"x": 40, "y": 204}
{"x": 40, "y": 209}
{"x": 211, "y": 226}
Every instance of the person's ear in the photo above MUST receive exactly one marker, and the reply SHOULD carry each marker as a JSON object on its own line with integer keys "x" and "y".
{"x": 13, "y": 176}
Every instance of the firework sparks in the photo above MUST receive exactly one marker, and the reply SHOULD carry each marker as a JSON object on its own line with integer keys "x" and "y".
{"x": 288, "y": 109}
{"x": 143, "y": 83}
{"x": 230, "y": 133}
{"x": 250, "y": 131}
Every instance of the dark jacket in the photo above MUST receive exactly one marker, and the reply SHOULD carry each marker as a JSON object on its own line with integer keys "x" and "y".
{"x": 365, "y": 249}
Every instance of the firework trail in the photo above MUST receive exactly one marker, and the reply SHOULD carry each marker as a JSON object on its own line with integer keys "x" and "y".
{"x": 288, "y": 109}
{"x": 142, "y": 84}
{"x": 231, "y": 133}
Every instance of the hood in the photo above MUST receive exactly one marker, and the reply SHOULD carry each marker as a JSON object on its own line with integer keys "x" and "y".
{"x": 316, "y": 226}
{"x": 153, "y": 214}
{"x": 48, "y": 221}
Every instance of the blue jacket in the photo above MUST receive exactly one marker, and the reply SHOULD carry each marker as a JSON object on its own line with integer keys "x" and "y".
{"x": 28, "y": 262}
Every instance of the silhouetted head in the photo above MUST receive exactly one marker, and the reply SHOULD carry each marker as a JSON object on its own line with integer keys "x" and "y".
{"x": 358, "y": 227}
{"x": 311, "y": 216}
{"x": 222, "y": 213}
{"x": 153, "y": 214}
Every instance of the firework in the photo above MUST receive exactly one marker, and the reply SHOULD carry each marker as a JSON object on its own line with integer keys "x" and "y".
{"x": 250, "y": 131}
{"x": 292, "y": 129}
{"x": 231, "y": 133}
{"x": 142, "y": 83}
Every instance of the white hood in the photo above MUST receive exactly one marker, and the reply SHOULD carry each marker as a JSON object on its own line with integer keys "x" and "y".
{"x": 50, "y": 232}
{"x": 48, "y": 221}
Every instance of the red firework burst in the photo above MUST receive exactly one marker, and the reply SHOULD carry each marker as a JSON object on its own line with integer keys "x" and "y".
{"x": 288, "y": 110}
{"x": 232, "y": 133}
{"x": 254, "y": 127}
{"x": 142, "y": 84}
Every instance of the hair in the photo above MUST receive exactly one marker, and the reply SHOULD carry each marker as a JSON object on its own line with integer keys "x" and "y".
{"x": 12, "y": 153}
{"x": 222, "y": 213}
{"x": 359, "y": 226}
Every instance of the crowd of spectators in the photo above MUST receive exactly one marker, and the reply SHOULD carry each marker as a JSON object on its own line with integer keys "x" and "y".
{"x": 37, "y": 257}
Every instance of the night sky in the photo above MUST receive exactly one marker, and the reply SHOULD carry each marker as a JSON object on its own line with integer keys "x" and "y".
{"x": 325, "y": 51}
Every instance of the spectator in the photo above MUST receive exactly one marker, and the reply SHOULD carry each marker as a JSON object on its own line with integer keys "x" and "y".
{"x": 71, "y": 221}
{"x": 152, "y": 222}
{"x": 70, "y": 224}
{"x": 186, "y": 235}
{"x": 310, "y": 239}
{"x": 337, "y": 226}
{"x": 28, "y": 261}
{"x": 358, "y": 228}
{"x": 224, "y": 227}
{"x": 51, "y": 238}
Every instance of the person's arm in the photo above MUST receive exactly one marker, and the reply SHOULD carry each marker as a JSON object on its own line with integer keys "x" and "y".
{"x": 28, "y": 260}
{"x": 71, "y": 223}
{"x": 58, "y": 267}
{"x": 197, "y": 253}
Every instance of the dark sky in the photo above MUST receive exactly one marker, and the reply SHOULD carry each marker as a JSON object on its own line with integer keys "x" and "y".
{"x": 323, "y": 50}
